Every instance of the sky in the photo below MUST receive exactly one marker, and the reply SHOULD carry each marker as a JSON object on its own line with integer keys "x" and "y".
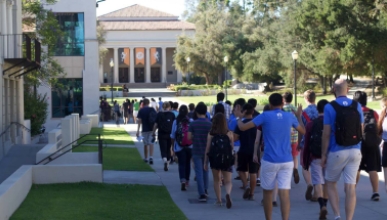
{"x": 175, "y": 7}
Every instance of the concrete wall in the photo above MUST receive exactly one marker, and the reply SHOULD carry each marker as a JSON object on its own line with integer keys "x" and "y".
{"x": 73, "y": 66}
{"x": 147, "y": 38}
{"x": 76, "y": 158}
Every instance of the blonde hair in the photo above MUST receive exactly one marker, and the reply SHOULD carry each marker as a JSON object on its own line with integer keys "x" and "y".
{"x": 382, "y": 115}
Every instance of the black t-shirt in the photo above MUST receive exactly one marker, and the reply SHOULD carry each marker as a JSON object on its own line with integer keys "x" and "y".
{"x": 255, "y": 114}
{"x": 143, "y": 114}
{"x": 125, "y": 106}
{"x": 247, "y": 139}
{"x": 165, "y": 118}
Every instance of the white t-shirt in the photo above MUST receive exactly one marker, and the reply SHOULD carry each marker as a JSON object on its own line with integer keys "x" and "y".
{"x": 153, "y": 105}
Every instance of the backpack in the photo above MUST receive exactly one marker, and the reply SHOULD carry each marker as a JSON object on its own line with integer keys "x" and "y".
{"x": 221, "y": 152}
{"x": 181, "y": 136}
{"x": 152, "y": 117}
{"x": 347, "y": 124}
{"x": 165, "y": 122}
{"x": 315, "y": 144}
{"x": 370, "y": 133}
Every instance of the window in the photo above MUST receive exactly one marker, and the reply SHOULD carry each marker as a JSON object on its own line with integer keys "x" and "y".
{"x": 72, "y": 43}
{"x": 68, "y": 98}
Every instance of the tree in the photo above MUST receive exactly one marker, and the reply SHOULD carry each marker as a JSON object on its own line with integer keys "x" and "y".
{"x": 101, "y": 33}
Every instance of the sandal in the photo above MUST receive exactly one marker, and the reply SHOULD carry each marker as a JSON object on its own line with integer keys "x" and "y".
{"x": 217, "y": 203}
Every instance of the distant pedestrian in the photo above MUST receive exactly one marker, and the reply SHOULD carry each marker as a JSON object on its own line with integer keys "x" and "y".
{"x": 160, "y": 105}
{"x": 382, "y": 125}
{"x": 220, "y": 100}
{"x": 254, "y": 103}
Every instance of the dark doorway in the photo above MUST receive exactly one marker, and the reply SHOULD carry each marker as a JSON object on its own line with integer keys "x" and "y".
{"x": 123, "y": 75}
{"x": 139, "y": 75}
{"x": 155, "y": 74}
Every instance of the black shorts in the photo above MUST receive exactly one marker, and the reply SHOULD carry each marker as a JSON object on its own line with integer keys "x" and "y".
{"x": 384, "y": 157}
{"x": 246, "y": 164}
{"x": 371, "y": 159}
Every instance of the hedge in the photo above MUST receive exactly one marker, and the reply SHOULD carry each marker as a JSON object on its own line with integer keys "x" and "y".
{"x": 194, "y": 87}
{"x": 107, "y": 88}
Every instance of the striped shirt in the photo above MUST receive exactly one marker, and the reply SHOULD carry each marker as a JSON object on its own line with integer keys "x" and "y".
{"x": 199, "y": 129}
{"x": 227, "y": 109}
{"x": 294, "y": 134}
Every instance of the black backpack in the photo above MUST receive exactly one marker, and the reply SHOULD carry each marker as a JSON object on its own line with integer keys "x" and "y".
{"x": 152, "y": 117}
{"x": 370, "y": 133}
{"x": 221, "y": 152}
{"x": 165, "y": 122}
{"x": 315, "y": 143}
{"x": 347, "y": 124}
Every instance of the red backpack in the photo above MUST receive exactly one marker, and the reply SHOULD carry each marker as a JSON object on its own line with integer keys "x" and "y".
{"x": 181, "y": 136}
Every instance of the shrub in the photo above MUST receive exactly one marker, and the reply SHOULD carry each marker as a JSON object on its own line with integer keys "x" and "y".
{"x": 263, "y": 101}
{"x": 194, "y": 87}
{"x": 35, "y": 109}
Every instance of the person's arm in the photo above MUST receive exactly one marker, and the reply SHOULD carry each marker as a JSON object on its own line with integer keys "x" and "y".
{"x": 245, "y": 126}
{"x": 190, "y": 131}
{"x": 236, "y": 137}
{"x": 231, "y": 136}
{"x": 256, "y": 146}
{"x": 306, "y": 154}
{"x": 325, "y": 143}
{"x": 139, "y": 122}
{"x": 209, "y": 139}
{"x": 155, "y": 126}
{"x": 300, "y": 128}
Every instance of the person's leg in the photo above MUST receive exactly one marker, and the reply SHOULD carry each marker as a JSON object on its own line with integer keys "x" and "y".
{"x": 198, "y": 162}
{"x": 243, "y": 168}
{"x": 145, "y": 152}
{"x": 268, "y": 203}
{"x": 307, "y": 177}
{"x": 295, "y": 153}
{"x": 374, "y": 178}
{"x": 284, "y": 179}
{"x": 385, "y": 177}
{"x": 182, "y": 155}
{"x": 285, "y": 203}
{"x": 253, "y": 169}
{"x": 269, "y": 173}
{"x": 168, "y": 149}
{"x": 163, "y": 148}
{"x": 228, "y": 187}
{"x": 350, "y": 200}
{"x": 216, "y": 177}
{"x": 188, "y": 164}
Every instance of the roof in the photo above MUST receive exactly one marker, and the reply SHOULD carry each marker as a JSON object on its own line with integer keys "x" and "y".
{"x": 146, "y": 25}
{"x": 137, "y": 11}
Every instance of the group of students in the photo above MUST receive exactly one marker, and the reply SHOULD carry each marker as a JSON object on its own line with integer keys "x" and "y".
{"x": 334, "y": 138}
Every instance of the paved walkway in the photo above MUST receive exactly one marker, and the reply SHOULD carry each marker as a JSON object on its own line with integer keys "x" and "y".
{"x": 300, "y": 209}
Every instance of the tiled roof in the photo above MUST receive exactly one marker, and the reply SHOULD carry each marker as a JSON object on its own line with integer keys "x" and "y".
{"x": 146, "y": 25}
{"x": 137, "y": 11}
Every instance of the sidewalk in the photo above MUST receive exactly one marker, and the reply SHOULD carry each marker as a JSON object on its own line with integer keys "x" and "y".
{"x": 300, "y": 208}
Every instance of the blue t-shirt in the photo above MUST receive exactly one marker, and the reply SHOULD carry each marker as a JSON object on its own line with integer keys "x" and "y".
{"x": 176, "y": 146}
{"x": 330, "y": 119}
{"x": 276, "y": 126}
{"x": 232, "y": 124}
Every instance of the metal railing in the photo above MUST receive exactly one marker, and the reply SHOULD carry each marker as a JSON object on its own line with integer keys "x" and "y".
{"x": 18, "y": 46}
{"x": 17, "y": 125}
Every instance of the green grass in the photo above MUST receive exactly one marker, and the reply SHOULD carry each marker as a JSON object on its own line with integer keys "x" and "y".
{"x": 118, "y": 158}
{"x": 109, "y": 135}
{"x": 96, "y": 201}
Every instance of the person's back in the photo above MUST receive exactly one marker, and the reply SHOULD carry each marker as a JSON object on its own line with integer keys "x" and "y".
{"x": 199, "y": 129}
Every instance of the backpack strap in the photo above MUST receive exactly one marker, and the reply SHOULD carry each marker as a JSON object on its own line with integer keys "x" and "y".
{"x": 335, "y": 105}
{"x": 306, "y": 116}
{"x": 354, "y": 104}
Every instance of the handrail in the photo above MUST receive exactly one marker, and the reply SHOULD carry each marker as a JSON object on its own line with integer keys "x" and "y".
{"x": 15, "y": 123}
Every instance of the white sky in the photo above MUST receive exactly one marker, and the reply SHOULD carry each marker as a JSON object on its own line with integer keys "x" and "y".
{"x": 175, "y": 7}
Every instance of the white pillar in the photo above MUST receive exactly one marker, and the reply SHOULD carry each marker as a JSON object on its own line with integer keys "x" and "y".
{"x": 11, "y": 38}
{"x": 148, "y": 66}
{"x": 66, "y": 132}
{"x": 101, "y": 72}
{"x": 164, "y": 65}
{"x": 132, "y": 64}
{"x": 77, "y": 125}
{"x": 116, "y": 64}
{"x": 3, "y": 19}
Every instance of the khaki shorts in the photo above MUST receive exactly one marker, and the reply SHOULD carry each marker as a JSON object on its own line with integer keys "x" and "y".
{"x": 147, "y": 138}
{"x": 317, "y": 172}
{"x": 344, "y": 162}
{"x": 272, "y": 173}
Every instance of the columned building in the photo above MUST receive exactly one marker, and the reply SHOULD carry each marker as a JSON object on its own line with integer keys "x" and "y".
{"x": 141, "y": 43}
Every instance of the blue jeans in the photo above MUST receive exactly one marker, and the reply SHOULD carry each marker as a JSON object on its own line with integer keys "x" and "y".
{"x": 184, "y": 164}
{"x": 201, "y": 174}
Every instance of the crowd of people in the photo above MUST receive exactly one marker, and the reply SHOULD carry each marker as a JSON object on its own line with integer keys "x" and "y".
{"x": 331, "y": 139}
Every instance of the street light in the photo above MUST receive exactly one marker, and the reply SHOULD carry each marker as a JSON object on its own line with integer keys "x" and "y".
{"x": 295, "y": 57}
{"x": 111, "y": 70}
{"x": 225, "y": 59}
{"x": 373, "y": 80}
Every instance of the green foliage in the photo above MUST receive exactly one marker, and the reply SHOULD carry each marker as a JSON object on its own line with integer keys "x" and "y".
{"x": 35, "y": 109}
{"x": 263, "y": 101}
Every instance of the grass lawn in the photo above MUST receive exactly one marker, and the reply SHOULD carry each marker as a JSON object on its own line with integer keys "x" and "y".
{"x": 118, "y": 158}
{"x": 96, "y": 201}
{"x": 109, "y": 135}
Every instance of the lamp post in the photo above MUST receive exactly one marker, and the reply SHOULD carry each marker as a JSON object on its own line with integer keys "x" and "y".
{"x": 111, "y": 70}
{"x": 225, "y": 59}
{"x": 295, "y": 57}
{"x": 373, "y": 80}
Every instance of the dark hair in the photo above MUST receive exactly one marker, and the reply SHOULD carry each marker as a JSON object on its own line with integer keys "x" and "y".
{"x": 321, "y": 105}
{"x": 288, "y": 97}
{"x": 266, "y": 108}
{"x": 160, "y": 98}
{"x": 240, "y": 101}
{"x": 183, "y": 112}
{"x": 132, "y": 100}
{"x": 310, "y": 95}
{"x": 201, "y": 108}
{"x": 191, "y": 107}
{"x": 248, "y": 109}
{"x": 220, "y": 96}
{"x": 171, "y": 104}
{"x": 252, "y": 102}
{"x": 275, "y": 99}
{"x": 360, "y": 97}
{"x": 219, "y": 108}
{"x": 153, "y": 100}
{"x": 146, "y": 102}
{"x": 219, "y": 124}
{"x": 228, "y": 103}
{"x": 143, "y": 97}
{"x": 176, "y": 105}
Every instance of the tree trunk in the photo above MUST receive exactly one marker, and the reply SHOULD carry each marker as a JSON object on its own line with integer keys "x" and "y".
{"x": 35, "y": 91}
{"x": 207, "y": 78}
{"x": 323, "y": 84}
{"x": 351, "y": 78}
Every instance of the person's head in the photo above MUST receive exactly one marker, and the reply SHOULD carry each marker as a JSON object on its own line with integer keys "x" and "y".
{"x": 183, "y": 112}
{"x": 310, "y": 96}
{"x": 127, "y": 100}
{"x": 340, "y": 87}
{"x": 219, "y": 124}
{"x": 145, "y": 102}
{"x": 238, "y": 104}
{"x": 360, "y": 97}
{"x": 321, "y": 105}
{"x": 248, "y": 110}
{"x": 266, "y": 108}
{"x": 171, "y": 103}
{"x": 191, "y": 107}
{"x": 115, "y": 102}
{"x": 153, "y": 100}
{"x": 134, "y": 100}
{"x": 166, "y": 106}
{"x": 159, "y": 98}
{"x": 175, "y": 105}
{"x": 219, "y": 108}
{"x": 201, "y": 109}
{"x": 220, "y": 96}
{"x": 288, "y": 97}
{"x": 104, "y": 98}
{"x": 228, "y": 103}
{"x": 253, "y": 102}
{"x": 383, "y": 103}
{"x": 143, "y": 97}
{"x": 276, "y": 101}
{"x": 100, "y": 98}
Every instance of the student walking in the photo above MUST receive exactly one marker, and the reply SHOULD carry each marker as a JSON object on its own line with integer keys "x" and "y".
{"x": 382, "y": 125}
{"x": 117, "y": 113}
{"x": 219, "y": 152}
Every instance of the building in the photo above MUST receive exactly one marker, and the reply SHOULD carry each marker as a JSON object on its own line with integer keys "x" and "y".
{"x": 141, "y": 42}
{"x": 19, "y": 55}
{"x": 77, "y": 53}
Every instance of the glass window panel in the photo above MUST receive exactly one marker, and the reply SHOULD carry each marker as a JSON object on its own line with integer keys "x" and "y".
{"x": 68, "y": 98}
{"x": 72, "y": 43}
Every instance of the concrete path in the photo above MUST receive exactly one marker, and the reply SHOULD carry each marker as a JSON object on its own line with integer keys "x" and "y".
{"x": 300, "y": 209}
{"x": 131, "y": 177}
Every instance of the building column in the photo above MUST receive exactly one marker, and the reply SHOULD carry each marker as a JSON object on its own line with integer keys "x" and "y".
{"x": 148, "y": 66}
{"x": 116, "y": 64}
{"x": 4, "y": 30}
{"x": 132, "y": 64}
{"x": 2, "y": 104}
{"x": 164, "y": 65}
{"x": 101, "y": 72}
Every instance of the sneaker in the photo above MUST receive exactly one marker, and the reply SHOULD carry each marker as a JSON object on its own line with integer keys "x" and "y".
{"x": 275, "y": 204}
{"x": 203, "y": 198}
{"x": 151, "y": 161}
{"x": 258, "y": 182}
{"x": 308, "y": 193}
{"x": 166, "y": 166}
{"x": 146, "y": 160}
{"x": 323, "y": 213}
{"x": 228, "y": 201}
{"x": 375, "y": 197}
{"x": 296, "y": 176}
{"x": 183, "y": 187}
{"x": 205, "y": 192}
{"x": 247, "y": 193}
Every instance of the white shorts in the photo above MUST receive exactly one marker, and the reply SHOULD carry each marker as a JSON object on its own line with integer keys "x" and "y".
{"x": 344, "y": 162}
{"x": 135, "y": 114}
{"x": 272, "y": 173}
{"x": 317, "y": 172}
